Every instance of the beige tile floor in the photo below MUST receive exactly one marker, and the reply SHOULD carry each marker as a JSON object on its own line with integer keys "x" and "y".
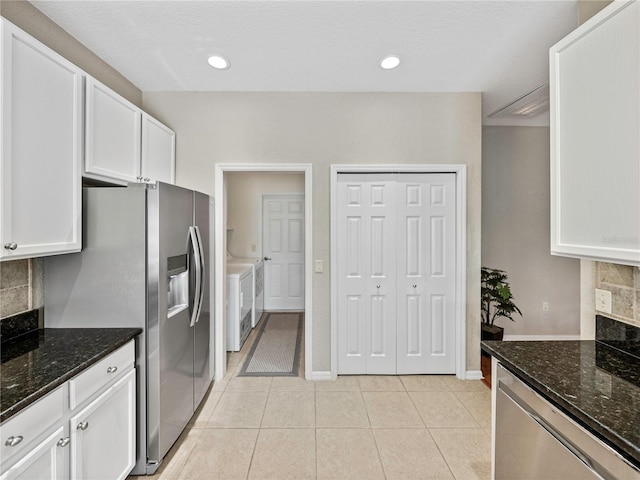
{"x": 356, "y": 428}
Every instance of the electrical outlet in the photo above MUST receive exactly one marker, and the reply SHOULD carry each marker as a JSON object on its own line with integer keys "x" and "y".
{"x": 545, "y": 306}
{"x": 319, "y": 266}
{"x": 603, "y": 301}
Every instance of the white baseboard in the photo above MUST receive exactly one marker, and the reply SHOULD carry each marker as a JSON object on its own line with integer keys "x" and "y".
{"x": 513, "y": 338}
{"x": 320, "y": 376}
{"x": 474, "y": 375}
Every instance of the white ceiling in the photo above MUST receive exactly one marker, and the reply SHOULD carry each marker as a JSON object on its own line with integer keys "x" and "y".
{"x": 499, "y": 48}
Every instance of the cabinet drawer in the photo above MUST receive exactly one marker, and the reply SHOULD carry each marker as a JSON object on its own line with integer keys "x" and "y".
{"x": 31, "y": 422}
{"x": 83, "y": 386}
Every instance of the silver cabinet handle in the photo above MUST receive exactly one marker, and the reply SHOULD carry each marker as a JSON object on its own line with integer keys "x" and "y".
{"x": 112, "y": 369}
{"x": 414, "y": 286}
{"x": 13, "y": 441}
{"x": 11, "y": 246}
{"x": 63, "y": 442}
{"x": 139, "y": 178}
{"x": 83, "y": 426}
{"x": 377, "y": 286}
{"x": 267, "y": 258}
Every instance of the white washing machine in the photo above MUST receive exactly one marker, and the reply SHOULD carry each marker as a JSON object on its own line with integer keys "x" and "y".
{"x": 240, "y": 287}
{"x": 257, "y": 264}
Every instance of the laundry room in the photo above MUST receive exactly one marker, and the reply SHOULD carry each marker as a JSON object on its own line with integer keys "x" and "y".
{"x": 265, "y": 252}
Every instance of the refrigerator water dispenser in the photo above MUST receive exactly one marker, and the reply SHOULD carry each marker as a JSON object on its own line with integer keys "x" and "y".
{"x": 177, "y": 285}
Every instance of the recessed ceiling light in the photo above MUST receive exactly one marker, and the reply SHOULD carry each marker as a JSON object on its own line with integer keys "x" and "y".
{"x": 390, "y": 62}
{"x": 218, "y": 62}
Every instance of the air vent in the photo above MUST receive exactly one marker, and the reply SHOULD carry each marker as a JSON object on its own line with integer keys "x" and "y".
{"x": 528, "y": 106}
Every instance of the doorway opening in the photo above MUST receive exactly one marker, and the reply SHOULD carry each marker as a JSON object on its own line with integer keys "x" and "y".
{"x": 245, "y": 193}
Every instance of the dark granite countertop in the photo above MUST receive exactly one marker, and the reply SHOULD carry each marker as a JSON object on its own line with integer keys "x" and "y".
{"x": 36, "y": 363}
{"x": 595, "y": 384}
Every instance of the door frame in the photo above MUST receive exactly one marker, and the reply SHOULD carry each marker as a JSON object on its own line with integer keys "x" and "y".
{"x": 460, "y": 172}
{"x": 220, "y": 249}
{"x": 267, "y": 195}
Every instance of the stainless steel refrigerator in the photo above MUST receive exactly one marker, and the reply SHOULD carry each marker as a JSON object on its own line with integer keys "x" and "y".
{"x": 145, "y": 263}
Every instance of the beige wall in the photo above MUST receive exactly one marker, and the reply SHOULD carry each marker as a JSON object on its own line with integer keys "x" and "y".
{"x": 515, "y": 232}
{"x": 244, "y": 206}
{"x": 324, "y": 129}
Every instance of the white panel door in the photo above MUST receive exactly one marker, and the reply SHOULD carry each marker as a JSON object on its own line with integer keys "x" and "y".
{"x": 426, "y": 273}
{"x": 283, "y": 250}
{"x": 367, "y": 271}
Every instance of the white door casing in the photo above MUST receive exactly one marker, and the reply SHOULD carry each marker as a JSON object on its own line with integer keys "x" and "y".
{"x": 395, "y": 260}
{"x": 283, "y": 250}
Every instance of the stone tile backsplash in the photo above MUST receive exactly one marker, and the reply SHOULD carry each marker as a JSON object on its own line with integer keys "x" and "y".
{"x": 623, "y": 282}
{"x": 21, "y": 286}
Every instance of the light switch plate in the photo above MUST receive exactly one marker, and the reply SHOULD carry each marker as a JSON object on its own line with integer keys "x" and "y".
{"x": 319, "y": 266}
{"x": 603, "y": 301}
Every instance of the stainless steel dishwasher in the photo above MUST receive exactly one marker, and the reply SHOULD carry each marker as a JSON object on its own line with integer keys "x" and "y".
{"x": 534, "y": 440}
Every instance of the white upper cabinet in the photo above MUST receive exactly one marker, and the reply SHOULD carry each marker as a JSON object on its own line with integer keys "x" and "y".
{"x": 41, "y": 145}
{"x": 123, "y": 144}
{"x": 112, "y": 135}
{"x": 158, "y": 151}
{"x": 595, "y": 138}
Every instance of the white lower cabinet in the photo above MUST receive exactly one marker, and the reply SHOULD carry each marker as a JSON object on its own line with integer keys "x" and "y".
{"x": 45, "y": 461}
{"x": 103, "y": 434}
{"x": 83, "y": 430}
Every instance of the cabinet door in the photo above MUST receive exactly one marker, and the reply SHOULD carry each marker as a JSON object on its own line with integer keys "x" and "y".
{"x": 40, "y": 138}
{"x": 46, "y": 461}
{"x": 595, "y": 146}
{"x": 112, "y": 151}
{"x": 158, "y": 151}
{"x": 103, "y": 434}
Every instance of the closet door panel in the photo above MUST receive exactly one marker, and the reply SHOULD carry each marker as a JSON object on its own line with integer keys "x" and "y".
{"x": 426, "y": 266}
{"x": 440, "y": 281}
{"x": 352, "y": 306}
{"x": 380, "y": 192}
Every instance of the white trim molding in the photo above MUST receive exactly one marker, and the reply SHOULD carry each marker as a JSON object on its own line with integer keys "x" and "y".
{"x": 321, "y": 376}
{"x": 220, "y": 238}
{"x": 460, "y": 172}
{"x": 473, "y": 375}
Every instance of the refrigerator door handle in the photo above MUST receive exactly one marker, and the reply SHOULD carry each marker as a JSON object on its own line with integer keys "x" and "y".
{"x": 202, "y": 271}
{"x": 196, "y": 256}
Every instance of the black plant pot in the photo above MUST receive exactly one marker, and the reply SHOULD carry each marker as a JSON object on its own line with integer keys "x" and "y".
{"x": 491, "y": 332}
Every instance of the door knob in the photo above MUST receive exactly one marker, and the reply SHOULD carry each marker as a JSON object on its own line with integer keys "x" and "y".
{"x": 267, "y": 258}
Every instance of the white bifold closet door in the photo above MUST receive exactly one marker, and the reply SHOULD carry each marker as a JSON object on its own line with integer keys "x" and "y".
{"x": 396, "y": 273}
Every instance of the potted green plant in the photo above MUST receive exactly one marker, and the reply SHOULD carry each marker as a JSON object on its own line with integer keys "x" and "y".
{"x": 497, "y": 301}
